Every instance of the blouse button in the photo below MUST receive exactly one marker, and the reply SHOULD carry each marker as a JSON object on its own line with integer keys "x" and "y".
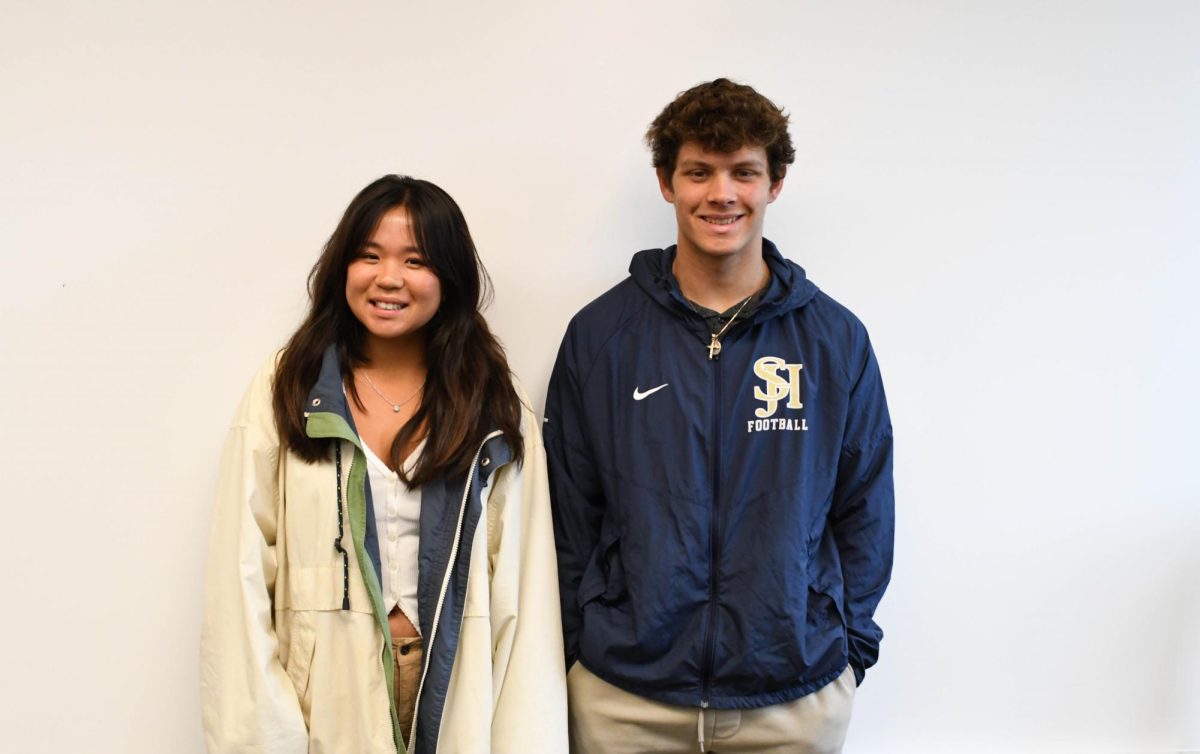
{"x": 404, "y": 649}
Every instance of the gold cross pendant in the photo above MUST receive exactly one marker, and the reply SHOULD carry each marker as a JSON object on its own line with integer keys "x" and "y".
{"x": 714, "y": 348}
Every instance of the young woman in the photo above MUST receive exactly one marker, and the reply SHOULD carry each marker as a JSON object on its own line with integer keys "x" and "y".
{"x": 382, "y": 568}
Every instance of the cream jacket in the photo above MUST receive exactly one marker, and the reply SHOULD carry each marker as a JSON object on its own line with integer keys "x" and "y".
{"x": 286, "y": 668}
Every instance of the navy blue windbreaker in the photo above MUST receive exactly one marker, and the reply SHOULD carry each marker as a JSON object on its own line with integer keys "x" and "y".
{"x": 724, "y": 527}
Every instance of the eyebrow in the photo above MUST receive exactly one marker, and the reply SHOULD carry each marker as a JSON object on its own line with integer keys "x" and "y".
{"x": 750, "y": 163}
{"x": 369, "y": 244}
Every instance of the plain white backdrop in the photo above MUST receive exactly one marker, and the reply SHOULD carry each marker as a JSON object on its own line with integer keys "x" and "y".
{"x": 1005, "y": 192}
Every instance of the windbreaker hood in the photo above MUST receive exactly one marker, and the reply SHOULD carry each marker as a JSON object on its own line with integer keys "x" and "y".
{"x": 788, "y": 289}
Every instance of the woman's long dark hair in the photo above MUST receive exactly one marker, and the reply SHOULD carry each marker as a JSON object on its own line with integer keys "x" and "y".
{"x": 468, "y": 389}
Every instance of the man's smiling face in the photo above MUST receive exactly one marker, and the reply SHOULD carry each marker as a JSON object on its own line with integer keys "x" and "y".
{"x": 720, "y": 199}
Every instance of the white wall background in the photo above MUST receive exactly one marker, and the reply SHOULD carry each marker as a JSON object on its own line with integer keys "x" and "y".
{"x": 1005, "y": 192}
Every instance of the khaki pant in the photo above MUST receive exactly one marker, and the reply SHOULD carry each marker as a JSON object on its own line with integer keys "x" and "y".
{"x": 607, "y": 720}
{"x": 406, "y": 662}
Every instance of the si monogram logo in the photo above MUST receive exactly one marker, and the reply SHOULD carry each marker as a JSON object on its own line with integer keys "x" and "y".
{"x": 778, "y": 386}
{"x": 781, "y": 382}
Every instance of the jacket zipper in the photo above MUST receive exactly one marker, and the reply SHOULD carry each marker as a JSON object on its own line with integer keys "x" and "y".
{"x": 710, "y": 639}
{"x": 437, "y": 613}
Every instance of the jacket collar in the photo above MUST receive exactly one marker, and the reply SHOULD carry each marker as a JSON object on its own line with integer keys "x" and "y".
{"x": 327, "y": 410}
{"x": 788, "y": 289}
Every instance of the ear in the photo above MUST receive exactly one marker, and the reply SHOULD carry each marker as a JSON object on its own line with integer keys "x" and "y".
{"x": 664, "y": 185}
{"x": 773, "y": 192}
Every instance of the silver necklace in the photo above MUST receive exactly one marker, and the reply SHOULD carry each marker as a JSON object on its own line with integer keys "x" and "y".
{"x": 395, "y": 406}
{"x": 714, "y": 348}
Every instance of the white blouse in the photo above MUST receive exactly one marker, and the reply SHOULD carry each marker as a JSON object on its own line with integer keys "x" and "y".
{"x": 398, "y": 523}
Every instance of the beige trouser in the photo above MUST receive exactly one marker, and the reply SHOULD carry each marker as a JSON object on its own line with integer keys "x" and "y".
{"x": 607, "y": 720}
{"x": 406, "y": 662}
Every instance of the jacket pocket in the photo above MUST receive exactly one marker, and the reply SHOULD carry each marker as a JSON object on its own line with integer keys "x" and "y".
{"x": 604, "y": 580}
{"x": 301, "y": 648}
{"x": 824, "y": 609}
{"x": 614, "y": 575}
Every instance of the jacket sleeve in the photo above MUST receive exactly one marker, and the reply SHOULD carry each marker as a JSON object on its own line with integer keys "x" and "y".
{"x": 863, "y": 512}
{"x": 248, "y": 703}
{"x": 576, "y": 494}
{"x": 528, "y": 682}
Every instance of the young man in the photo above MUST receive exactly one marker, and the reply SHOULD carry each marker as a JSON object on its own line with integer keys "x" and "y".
{"x": 721, "y": 470}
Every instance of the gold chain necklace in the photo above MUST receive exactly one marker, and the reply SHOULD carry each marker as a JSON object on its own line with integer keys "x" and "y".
{"x": 714, "y": 348}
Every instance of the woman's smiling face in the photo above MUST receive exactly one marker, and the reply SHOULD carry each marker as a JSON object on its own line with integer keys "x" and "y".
{"x": 390, "y": 287}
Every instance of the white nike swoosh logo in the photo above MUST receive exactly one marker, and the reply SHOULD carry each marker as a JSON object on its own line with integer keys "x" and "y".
{"x": 639, "y": 395}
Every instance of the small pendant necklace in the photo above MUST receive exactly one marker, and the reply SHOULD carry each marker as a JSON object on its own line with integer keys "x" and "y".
{"x": 395, "y": 406}
{"x": 714, "y": 348}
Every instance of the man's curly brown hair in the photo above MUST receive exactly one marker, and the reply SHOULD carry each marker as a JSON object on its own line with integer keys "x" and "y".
{"x": 721, "y": 116}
